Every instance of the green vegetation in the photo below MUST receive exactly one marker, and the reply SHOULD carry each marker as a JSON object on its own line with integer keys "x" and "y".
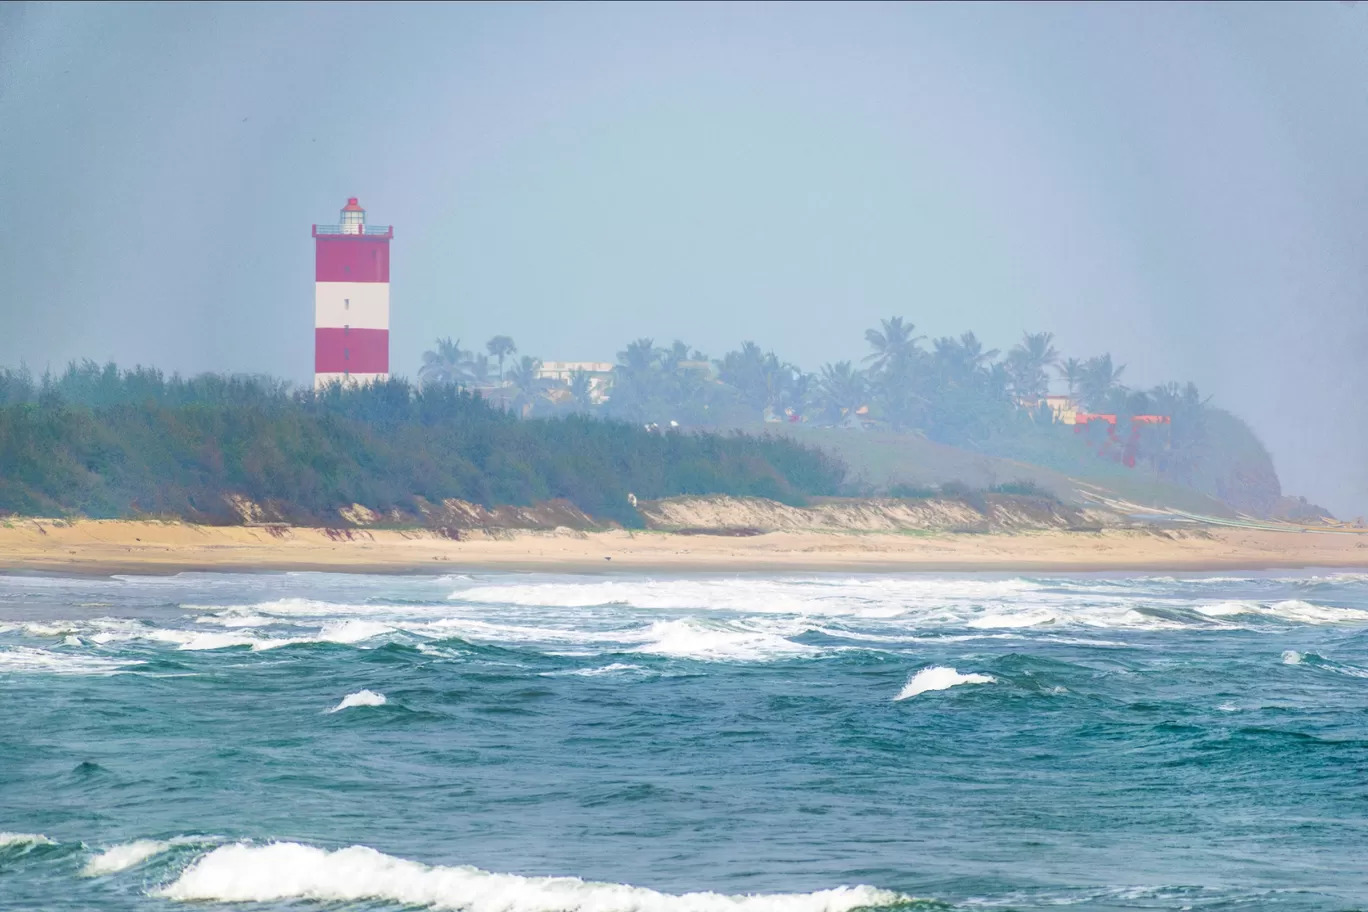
{"x": 101, "y": 442}
{"x": 952, "y": 391}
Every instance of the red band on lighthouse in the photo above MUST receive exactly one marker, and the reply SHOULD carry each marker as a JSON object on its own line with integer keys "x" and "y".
{"x": 352, "y": 259}
{"x": 351, "y": 299}
{"x": 355, "y": 351}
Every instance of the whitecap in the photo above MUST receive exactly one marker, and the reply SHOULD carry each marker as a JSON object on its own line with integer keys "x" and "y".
{"x": 24, "y": 839}
{"x": 236, "y": 620}
{"x": 50, "y": 629}
{"x": 878, "y": 597}
{"x": 1292, "y": 657}
{"x": 1032, "y": 618}
{"x": 347, "y": 632}
{"x": 126, "y": 855}
{"x": 286, "y": 871}
{"x": 939, "y": 677}
{"x": 360, "y": 698}
{"x": 296, "y": 607}
{"x": 615, "y": 668}
{"x": 22, "y": 659}
{"x": 1226, "y": 609}
{"x": 203, "y": 642}
{"x": 1305, "y": 612}
{"x": 688, "y": 638}
{"x": 343, "y": 633}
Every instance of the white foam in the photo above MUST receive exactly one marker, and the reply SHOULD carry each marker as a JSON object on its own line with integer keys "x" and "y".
{"x": 485, "y": 632}
{"x": 24, "y": 839}
{"x": 616, "y": 668}
{"x": 201, "y": 642}
{"x": 289, "y": 871}
{"x": 688, "y": 638}
{"x": 1307, "y": 613}
{"x": 22, "y": 659}
{"x": 122, "y": 857}
{"x": 234, "y": 619}
{"x": 1226, "y": 609}
{"x": 938, "y": 677}
{"x": 1292, "y": 657}
{"x": 360, "y": 698}
{"x": 293, "y": 607}
{"x": 50, "y": 629}
{"x": 351, "y": 631}
{"x": 873, "y": 597}
{"x": 343, "y": 633}
{"x": 1030, "y": 618}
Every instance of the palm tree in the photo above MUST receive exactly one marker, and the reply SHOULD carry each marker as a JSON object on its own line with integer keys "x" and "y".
{"x": 894, "y": 345}
{"x": 1027, "y": 362}
{"x": 1071, "y": 372}
{"x": 842, "y": 389}
{"x": 639, "y": 357}
{"x": 1022, "y": 375}
{"x": 525, "y": 379}
{"x": 500, "y": 347}
{"x": 745, "y": 371}
{"x": 580, "y": 387}
{"x": 477, "y": 368}
{"x": 1100, "y": 378}
{"x": 1040, "y": 347}
{"x": 675, "y": 354}
{"x": 960, "y": 359}
{"x": 444, "y": 364}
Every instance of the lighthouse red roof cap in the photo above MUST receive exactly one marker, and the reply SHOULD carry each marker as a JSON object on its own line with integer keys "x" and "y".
{"x": 352, "y": 205}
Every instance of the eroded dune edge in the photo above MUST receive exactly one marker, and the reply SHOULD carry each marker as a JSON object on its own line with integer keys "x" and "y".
{"x": 715, "y": 534}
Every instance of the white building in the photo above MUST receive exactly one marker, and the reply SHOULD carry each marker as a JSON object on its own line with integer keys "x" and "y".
{"x": 600, "y": 375}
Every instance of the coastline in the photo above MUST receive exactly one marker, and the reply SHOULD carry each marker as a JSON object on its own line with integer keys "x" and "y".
{"x": 103, "y": 547}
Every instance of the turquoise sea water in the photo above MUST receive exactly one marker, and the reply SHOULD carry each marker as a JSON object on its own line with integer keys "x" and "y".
{"x": 744, "y": 743}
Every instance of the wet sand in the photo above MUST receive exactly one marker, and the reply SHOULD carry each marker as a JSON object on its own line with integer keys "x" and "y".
{"x": 116, "y": 546}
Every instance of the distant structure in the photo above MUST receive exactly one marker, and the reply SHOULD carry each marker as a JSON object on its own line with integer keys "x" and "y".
{"x": 351, "y": 299}
{"x": 599, "y": 374}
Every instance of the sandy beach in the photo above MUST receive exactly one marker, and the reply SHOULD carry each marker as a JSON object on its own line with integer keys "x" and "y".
{"x": 103, "y": 547}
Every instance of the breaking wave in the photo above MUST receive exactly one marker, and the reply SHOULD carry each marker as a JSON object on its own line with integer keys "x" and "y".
{"x": 1311, "y": 659}
{"x": 288, "y": 871}
{"x": 360, "y": 698}
{"x": 130, "y": 854}
{"x": 1292, "y": 610}
{"x": 23, "y": 659}
{"x": 17, "y": 840}
{"x": 616, "y": 668}
{"x": 819, "y": 596}
{"x": 733, "y": 619}
{"x": 938, "y": 677}
{"x": 693, "y": 639}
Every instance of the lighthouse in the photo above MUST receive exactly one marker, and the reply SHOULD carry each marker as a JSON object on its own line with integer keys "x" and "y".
{"x": 351, "y": 299}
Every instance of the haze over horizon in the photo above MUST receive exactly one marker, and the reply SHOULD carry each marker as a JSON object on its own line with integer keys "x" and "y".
{"x": 1180, "y": 185}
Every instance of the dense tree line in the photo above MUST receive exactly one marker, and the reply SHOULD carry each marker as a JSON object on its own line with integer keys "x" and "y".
{"x": 103, "y": 442}
{"x": 951, "y": 389}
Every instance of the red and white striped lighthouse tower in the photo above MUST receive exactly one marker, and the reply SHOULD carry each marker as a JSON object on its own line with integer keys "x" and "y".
{"x": 351, "y": 299}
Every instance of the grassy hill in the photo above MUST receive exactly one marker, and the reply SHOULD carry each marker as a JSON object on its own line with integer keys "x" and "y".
{"x": 878, "y": 460}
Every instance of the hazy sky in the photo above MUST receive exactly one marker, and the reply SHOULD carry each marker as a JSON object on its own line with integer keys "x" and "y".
{"x": 1184, "y": 186}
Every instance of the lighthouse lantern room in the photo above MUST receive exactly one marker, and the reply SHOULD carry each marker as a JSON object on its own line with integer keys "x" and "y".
{"x": 351, "y": 299}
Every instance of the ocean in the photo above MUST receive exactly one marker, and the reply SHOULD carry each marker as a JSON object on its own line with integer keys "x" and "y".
{"x": 697, "y": 743}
